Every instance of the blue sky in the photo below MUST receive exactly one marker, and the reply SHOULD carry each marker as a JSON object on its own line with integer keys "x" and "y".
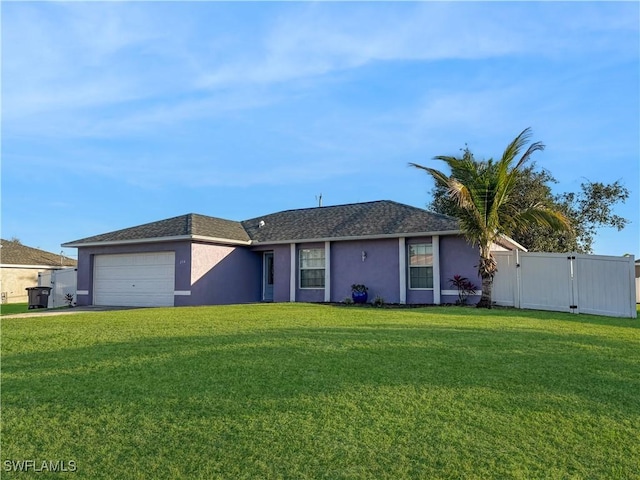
{"x": 116, "y": 114}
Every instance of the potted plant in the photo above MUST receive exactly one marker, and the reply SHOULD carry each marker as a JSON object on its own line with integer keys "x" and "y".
{"x": 359, "y": 293}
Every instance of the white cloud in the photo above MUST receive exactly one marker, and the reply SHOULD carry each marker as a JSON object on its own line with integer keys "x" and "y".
{"x": 76, "y": 56}
{"x": 319, "y": 39}
{"x": 64, "y": 64}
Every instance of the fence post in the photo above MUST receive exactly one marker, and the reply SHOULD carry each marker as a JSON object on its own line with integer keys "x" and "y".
{"x": 516, "y": 300}
{"x": 574, "y": 306}
{"x": 633, "y": 291}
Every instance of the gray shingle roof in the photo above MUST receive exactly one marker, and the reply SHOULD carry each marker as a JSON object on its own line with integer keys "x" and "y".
{"x": 383, "y": 217}
{"x": 14, "y": 253}
{"x": 182, "y": 226}
{"x": 379, "y": 218}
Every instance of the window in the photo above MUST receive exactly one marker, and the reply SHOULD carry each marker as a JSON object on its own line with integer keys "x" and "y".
{"x": 312, "y": 268}
{"x": 421, "y": 265}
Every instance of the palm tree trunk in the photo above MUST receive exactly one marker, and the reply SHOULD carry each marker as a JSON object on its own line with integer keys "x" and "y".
{"x": 486, "y": 269}
{"x": 487, "y": 286}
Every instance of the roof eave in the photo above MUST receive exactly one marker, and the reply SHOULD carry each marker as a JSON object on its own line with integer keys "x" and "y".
{"x": 202, "y": 238}
{"x": 227, "y": 241}
{"x": 177, "y": 238}
{"x": 358, "y": 237}
{"x": 507, "y": 242}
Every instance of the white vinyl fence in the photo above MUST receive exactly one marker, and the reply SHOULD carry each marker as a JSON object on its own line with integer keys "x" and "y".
{"x": 62, "y": 282}
{"x": 575, "y": 283}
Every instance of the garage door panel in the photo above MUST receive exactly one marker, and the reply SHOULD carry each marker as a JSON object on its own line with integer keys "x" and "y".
{"x": 143, "y": 279}
{"x": 133, "y": 272}
{"x": 145, "y": 286}
{"x": 134, "y": 300}
{"x": 116, "y": 260}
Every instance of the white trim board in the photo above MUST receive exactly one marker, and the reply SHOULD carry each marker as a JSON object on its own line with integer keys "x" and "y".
{"x": 402, "y": 269}
{"x": 435, "y": 256}
{"x": 327, "y": 271}
{"x": 359, "y": 237}
{"x": 292, "y": 273}
{"x": 455, "y": 292}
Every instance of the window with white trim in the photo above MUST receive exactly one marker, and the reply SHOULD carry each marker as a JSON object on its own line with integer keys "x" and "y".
{"x": 421, "y": 266}
{"x": 312, "y": 268}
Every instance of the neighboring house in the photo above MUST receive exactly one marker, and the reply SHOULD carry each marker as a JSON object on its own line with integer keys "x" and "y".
{"x": 19, "y": 266}
{"x": 402, "y": 253}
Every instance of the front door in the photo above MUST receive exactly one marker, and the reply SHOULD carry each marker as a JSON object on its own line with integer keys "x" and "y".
{"x": 267, "y": 277}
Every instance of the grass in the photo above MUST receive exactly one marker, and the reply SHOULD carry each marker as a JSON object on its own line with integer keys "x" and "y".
{"x": 13, "y": 308}
{"x": 310, "y": 392}
{"x": 16, "y": 308}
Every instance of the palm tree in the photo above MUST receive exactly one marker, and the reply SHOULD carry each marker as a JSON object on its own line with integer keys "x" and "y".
{"x": 482, "y": 191}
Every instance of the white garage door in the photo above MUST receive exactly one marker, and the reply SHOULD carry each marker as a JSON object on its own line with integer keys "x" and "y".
{"x": 137, "y": 280}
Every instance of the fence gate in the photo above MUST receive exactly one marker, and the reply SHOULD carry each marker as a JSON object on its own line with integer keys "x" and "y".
{"x": 576, "y": 283}
{"x": 505, "y": 283}
{"x": 546, "y": 282}
{"x": 62, "y": 283}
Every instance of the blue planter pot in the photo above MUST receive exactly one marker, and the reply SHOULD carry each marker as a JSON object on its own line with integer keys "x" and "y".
{"x": 359, "y": 297}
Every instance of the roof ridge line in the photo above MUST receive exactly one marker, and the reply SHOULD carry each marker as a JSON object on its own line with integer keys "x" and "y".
{"x": 326, "y": 207}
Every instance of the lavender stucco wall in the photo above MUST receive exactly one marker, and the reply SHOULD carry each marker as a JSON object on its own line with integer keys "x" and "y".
{"x": 458, "y": 257}
{"x": 86, "y": 255}
{"x": 379, "y": 271}
{"x": 217, "y": 274}
{"x": 223, "y": 275}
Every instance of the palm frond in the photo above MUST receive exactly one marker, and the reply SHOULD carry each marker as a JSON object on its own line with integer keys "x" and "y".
{"x": 484, "y": 192}
{"x": 437, "y": 175}
{"x": 542, "y": 216}
{"x": 516, "y": 145}
{"x": 456, "y": 189}
{"x": 460, "y": 193}
{"x": 534, "y": 147}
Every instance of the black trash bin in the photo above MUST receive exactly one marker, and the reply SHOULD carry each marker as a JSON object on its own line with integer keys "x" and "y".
{"x": 38, "y": 297}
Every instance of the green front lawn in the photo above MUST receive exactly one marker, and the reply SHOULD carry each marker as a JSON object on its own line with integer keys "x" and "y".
{"x": 13, "y": 308}
{"x": 310, "y": 391}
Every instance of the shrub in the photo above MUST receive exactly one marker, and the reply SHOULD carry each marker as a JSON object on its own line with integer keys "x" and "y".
{"x": 464, "y": 286}
{"x": 69, "y": 299}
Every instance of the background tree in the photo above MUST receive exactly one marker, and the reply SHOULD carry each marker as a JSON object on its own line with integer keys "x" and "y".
{"x": 592, "y": 208}
{"x": 484, "y": 202}
{"x": 587, "y": 210}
